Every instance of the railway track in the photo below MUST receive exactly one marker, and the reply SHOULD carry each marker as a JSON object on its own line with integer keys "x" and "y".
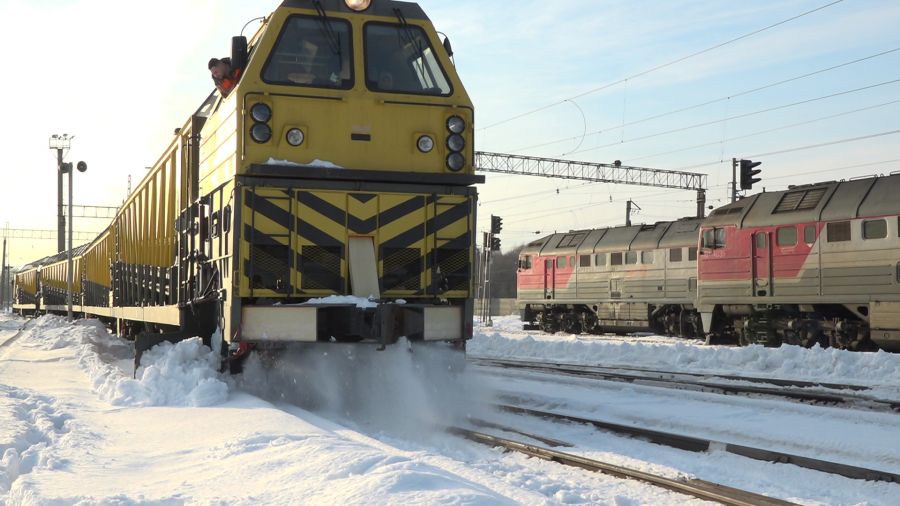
{"x": 695, "y": 444}
{"x": 697, "y": 488}
{"x": 803, "y": 391}
{"x": 14, "y": 337}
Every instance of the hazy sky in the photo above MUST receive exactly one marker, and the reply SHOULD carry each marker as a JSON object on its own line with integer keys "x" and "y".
{"x": 121, "y": 76}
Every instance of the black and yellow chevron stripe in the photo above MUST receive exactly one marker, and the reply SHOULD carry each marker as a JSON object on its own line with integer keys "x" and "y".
{"x": 294, "y": 241}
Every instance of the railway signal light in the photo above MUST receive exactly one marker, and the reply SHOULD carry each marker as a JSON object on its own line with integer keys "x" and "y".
{"x": 495, "y": 244}
{"x": 496, "y": 224}
{"x": 747, "y": 173}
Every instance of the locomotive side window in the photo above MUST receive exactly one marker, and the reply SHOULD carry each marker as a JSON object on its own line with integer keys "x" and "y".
{"x": 646, "y": 257}
{"x": 400, "y": 59}
{"x": 600, "y": 259}
{"x": 560, "y": 262}
{"x": 786, "y": 236}
{"x": 525, "y": 262}
{"x": 761, "y": 240}
{"x": 809, "y": 234}
{"x": 615, "y": 259}
{"x": 692, "y": 253}
{"x": 312, "y": 52}
{"x": 874, "y": 229}
{"x": 838, "y": 231}
{"x": 584, "y": 261}
{"x": 714, "y": 238}
{"x": 675, "y": 254}
{"x": 631, "y": 257}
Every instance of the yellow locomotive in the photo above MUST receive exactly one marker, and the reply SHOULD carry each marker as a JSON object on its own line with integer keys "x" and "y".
{"x": 328, "y": 197}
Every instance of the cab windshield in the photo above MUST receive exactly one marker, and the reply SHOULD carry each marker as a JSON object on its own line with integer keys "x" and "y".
{"x": 312, "y": 51}
{"x": 400, "y": 59}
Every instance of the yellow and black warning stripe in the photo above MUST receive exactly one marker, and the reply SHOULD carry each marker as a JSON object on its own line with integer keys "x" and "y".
{"x": 423, "y": 242}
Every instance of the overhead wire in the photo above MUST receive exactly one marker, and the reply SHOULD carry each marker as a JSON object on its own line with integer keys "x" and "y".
{"x": 741, "y": 116}
{"x": 769, "y": 130}
{"x": 664, "y": 65}
{"x": 798, "y": 148}
{"x": 711, "y": 102}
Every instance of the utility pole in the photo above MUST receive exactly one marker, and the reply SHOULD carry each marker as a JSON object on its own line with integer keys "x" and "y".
{"x": 70, "y": 275}
{"x": 485, "y": 277}
{"x": 628, "y": 208}
{"x": 734, "y": 165}
{"x": 60, "y": 143}
{"x": 3, "y": 283}
{"x": 701, "y": 203}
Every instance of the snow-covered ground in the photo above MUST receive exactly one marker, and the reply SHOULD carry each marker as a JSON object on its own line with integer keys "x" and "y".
{"x": 77, "y": 428}
{"x": 506, "y": 339}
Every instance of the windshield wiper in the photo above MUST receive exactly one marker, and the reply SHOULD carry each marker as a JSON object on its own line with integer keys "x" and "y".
{"x": 410, "y": 38}
{"x": 334, "y": 41}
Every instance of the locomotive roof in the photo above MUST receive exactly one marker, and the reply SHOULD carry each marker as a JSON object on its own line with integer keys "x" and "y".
{"x": 663, "y": 234}
{"x": 833, "y": 200}
{"x": 410, "y": 10}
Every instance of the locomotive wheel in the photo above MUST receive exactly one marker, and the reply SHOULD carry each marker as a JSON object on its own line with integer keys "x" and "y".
{"x": 792, "y": 338}
{"x": 571, "y": 324}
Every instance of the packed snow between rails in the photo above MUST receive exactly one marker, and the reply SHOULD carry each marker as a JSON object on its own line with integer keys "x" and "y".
{"x": 506, "y": 339}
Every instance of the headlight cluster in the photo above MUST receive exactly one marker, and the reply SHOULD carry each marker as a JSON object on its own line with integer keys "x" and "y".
{"x": 456, "y": 143}
{"x": 261, "y": 132}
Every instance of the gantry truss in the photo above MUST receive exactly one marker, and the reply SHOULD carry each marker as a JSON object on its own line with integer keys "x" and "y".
{"x": 104, "y": 212}
{"x": 23, "y": 233}
{"x": 588, "y": 171}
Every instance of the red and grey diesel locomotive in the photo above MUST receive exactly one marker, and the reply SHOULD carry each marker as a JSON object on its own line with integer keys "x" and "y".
{"x": 817, "y": 263}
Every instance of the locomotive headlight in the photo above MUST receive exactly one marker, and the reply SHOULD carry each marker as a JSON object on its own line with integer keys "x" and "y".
{"x": 456, "y": 142}
{"x": 425, "y": 144}
{"x": 456, "y": 124}
{"x": 358, "y": 5}
{"x": 455, "y": 162}
{"x": 295, "y": 137}
{"x": 261, "y": 133}
{"x": 261, "y": 112}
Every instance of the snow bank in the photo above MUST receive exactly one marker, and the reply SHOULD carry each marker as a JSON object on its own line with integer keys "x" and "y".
{"x": 182, "y": 374}
{"x": 816, "y": 364}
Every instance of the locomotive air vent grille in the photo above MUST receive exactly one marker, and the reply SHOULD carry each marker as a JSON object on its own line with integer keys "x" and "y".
{"x": 454, "y": 265}
{"x": 320, "y": 268}
{"x": 270, "y": 266}
{"x": 801, "y": 200}
{"x": 571, "y": 240}
{"x": 724, "y": 211}
{"x": 402, "y": 269}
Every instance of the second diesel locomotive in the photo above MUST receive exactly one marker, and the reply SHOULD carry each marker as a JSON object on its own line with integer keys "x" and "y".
{"x": 813, "y": 264}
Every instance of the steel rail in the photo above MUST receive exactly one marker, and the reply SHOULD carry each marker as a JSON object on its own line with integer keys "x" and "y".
{"x": 695, "y": 444}
{"x": 15, "y": 336}
{"x": 791, "y": 389}
{"x": 697, "y": 488}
